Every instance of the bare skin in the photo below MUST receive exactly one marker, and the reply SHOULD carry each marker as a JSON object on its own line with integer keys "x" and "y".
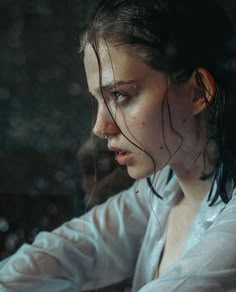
{"x": 179, "y": 225}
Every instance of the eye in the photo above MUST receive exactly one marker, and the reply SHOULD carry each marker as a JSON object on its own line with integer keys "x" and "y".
{"x": 119, "y": 96}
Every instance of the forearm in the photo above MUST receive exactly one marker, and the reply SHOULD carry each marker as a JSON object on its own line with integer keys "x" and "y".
{"x": 83, "y": 252}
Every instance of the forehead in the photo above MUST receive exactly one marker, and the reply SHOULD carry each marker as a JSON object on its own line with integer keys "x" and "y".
{"x": 93, "y": 58}
{"x": 117, "y": 63}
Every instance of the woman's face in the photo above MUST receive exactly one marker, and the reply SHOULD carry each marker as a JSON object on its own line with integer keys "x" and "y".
{"x": 143, "y": 115}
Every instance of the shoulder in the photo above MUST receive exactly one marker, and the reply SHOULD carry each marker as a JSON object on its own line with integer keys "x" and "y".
{"x": 228, "y": 213}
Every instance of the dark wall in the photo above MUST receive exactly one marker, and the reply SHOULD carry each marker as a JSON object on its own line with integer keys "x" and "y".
{"x": 44, "y": 116}
{"x": 44, "y": 108}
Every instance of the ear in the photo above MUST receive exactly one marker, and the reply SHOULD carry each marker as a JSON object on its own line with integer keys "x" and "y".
{"x": 204, "y": 90}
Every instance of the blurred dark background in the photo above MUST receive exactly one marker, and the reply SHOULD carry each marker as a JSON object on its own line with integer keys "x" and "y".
{"x": 44, "y": 115}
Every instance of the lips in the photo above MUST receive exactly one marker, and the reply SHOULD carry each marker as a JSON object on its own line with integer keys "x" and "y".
{"x": 121, "y": 156}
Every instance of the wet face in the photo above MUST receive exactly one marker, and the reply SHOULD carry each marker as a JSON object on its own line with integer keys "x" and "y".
{"x": 140, "y": 111}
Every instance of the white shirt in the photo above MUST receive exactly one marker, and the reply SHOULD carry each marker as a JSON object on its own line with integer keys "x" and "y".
{"x": 125, "y": 237}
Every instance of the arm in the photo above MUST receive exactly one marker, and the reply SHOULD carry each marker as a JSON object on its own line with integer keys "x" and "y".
{"x": 210, "y": 265}
{"x": 83, "y": 252}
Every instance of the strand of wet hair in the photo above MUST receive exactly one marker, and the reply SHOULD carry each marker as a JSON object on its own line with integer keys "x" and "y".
{"x": 150, "y": 183}
{"x": 110, "y": 113}
{"x": 171, "y": 125}
{"x": 219, "y": 172}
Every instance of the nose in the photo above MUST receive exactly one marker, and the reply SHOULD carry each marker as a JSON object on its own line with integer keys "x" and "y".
{"x": 105, "y": 124}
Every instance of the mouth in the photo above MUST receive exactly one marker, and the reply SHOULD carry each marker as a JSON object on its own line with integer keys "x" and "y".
{"x": 122, "y": 157}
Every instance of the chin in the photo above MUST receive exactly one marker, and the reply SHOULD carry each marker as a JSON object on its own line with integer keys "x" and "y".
{"x": 138, "y": 172}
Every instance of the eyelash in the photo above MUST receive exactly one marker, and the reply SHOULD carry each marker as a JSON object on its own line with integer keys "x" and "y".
{"x": 116, "y": 95}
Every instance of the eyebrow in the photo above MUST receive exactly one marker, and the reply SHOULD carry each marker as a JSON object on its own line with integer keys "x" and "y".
{"x": 113, "y": 85}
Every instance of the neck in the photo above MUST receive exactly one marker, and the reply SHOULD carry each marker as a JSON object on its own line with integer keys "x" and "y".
{"x": 189, "y": 177}
{"x": 194, "y": 190}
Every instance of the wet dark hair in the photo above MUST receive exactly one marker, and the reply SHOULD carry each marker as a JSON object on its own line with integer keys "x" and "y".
{"x": 178, "y": 37}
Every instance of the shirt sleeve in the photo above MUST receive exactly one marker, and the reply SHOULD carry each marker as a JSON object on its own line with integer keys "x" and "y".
{"x": 89, "y": 252}
{"x": 210, "y": 265}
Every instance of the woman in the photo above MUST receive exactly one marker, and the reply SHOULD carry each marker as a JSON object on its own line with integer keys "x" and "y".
{"x": 160, "y": 72}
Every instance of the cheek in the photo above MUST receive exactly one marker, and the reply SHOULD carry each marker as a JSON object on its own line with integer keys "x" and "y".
{"x": 136, "y": 125}
{"x": 180, "y": 110}
{"x": 143, "y": 126}
{"x": 146, "y": 131}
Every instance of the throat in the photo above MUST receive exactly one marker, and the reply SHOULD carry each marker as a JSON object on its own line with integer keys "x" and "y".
{"x": 178, "y": 228}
